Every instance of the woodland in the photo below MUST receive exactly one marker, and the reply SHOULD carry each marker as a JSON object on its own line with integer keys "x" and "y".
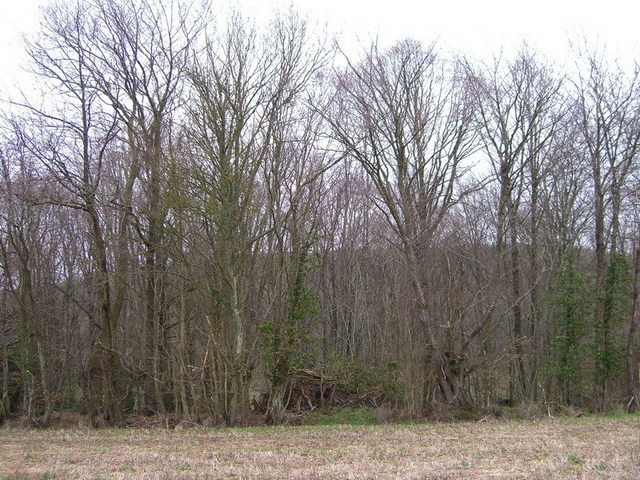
{"x": 209, "y": 216}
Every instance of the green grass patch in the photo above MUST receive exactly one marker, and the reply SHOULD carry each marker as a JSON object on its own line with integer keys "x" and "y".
{"x": 342, "y": 416}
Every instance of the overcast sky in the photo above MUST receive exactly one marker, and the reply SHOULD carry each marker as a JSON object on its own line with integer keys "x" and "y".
{"x": 478, "y": 28}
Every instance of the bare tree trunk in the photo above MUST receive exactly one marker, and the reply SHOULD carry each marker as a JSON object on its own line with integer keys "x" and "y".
{"x": 102, "y": 391}
{"x": 5, "y": 403}
{"x": 633, "y": 359}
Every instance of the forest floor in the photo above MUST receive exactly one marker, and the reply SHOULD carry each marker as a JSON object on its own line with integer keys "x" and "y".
{"x": 554, "y": 448}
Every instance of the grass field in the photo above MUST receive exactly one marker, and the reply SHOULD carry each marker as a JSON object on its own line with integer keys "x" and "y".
{"x": 554, "y": 448}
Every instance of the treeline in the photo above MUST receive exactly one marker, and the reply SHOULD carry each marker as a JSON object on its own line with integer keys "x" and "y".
{"x": 195, "y": 208}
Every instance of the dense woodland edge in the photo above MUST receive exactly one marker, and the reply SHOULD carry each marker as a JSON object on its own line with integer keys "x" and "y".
{"x": 208, "y": 218}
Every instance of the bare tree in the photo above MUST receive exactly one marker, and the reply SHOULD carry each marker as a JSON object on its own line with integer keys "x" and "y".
{"x": 518, "y": 106}
{"x": 609, "y": 127}
{"x": 73, "y": 141}
{"x": 137, "y": 59}
{"x": 24, "y": 247}
{"x": 243, "y": 86}
{"x": 404, "y": 115}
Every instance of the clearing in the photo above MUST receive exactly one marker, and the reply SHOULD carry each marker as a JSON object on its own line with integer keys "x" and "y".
{"x": 554, "y": 448}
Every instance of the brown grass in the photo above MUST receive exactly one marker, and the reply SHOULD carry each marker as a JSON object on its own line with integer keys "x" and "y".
{"x": 589, "y": 447}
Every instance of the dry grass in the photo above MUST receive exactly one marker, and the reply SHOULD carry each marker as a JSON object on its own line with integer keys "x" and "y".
{"x": 550, "y": 448}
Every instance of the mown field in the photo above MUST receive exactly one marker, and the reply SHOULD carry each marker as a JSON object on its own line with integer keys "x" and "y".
{"x": 550, "y": 448}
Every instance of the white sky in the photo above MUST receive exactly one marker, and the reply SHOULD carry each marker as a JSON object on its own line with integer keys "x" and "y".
{"x": 477, "y": 28}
